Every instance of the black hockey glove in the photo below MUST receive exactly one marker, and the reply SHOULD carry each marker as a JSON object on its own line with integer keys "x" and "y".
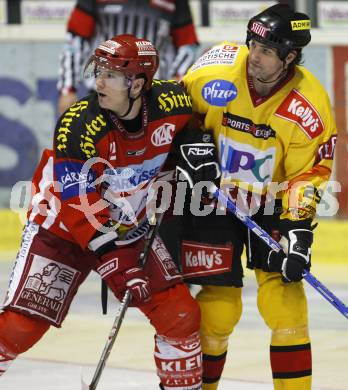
{"x": 196, "y": 157}
{"x": 296, "y": 240}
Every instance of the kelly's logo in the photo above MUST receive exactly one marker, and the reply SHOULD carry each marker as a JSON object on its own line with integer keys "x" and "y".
{"x": 297, "y": 109}
{"x": 200, "y": 259}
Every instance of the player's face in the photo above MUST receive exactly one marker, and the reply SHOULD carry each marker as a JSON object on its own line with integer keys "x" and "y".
{"x": 112, "y": 88}
{"x": 263, "y": 62}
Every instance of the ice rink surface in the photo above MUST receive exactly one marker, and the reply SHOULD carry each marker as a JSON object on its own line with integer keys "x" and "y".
{"x": 65, "y": 355}
{"x": 65, "y": 377}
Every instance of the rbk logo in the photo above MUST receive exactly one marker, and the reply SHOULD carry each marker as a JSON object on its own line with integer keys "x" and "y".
{"x": 195, "y": 151}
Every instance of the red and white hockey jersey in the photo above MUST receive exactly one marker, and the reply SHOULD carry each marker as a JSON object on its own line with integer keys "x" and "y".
{"x": 94, "y": 158}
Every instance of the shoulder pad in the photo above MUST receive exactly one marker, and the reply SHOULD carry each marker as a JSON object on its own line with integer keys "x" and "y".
{"x": 169, "y": 97}
{"x": 81, "y": 125}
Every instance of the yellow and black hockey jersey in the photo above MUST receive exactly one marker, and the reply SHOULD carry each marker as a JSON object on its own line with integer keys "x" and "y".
{"x": 287, "y": 138}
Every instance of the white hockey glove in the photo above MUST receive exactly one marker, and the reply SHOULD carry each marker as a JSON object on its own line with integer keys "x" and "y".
{"x": 184, "y": 59}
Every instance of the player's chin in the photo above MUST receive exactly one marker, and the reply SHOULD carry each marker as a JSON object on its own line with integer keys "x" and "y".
{"x": 253, "y": 70}
{"x": 102, "y": 100}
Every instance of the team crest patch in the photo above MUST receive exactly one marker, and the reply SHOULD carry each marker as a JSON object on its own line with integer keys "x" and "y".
{"x": 297, "y": 109}
{"x": 46, "y": 288}
{"x": 163, "y": 135}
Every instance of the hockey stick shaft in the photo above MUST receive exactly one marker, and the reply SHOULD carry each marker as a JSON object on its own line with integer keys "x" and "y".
{"x": 263, "y": 235}
{"x": 122, "y": 310}
{"x": 104, "y": 296}
{"x": 110, "y": 341}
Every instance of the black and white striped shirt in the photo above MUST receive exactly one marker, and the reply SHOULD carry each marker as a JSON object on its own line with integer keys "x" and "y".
{"x": 166, "y": 23}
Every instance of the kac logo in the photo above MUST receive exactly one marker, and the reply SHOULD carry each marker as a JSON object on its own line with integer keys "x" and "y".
{"x": 219, "y": 92}
{"x": 163, "y": 135}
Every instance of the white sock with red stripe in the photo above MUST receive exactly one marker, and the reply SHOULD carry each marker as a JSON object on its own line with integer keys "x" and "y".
{"x": 179, "y": 362}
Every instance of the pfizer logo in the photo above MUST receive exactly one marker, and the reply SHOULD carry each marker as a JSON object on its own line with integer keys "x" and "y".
{"x": 219, "y": 92}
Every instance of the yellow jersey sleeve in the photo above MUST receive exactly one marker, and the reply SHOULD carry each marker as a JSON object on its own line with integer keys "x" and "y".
{"x": 309, "y": 161}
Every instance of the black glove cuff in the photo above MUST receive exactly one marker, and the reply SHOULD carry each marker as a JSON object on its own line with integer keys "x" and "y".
{"x": 192, "y": 136}
{"x": 286, "y": 225}
{"x": 304, "y": 237}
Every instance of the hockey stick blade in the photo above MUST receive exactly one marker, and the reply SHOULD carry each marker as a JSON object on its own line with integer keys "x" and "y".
{"x": 263, "y": 235}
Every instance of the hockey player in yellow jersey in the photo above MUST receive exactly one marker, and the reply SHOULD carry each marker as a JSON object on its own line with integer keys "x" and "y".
{"x": 274, "y": 130}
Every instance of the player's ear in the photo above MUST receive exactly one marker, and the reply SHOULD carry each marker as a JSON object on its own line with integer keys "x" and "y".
{"x": 290, "y": 57}
{"x": 137, "y": 86}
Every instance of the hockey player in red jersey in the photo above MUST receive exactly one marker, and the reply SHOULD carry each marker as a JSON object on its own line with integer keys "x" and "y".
{"x": 89, "y": 212}
{"x": 273, "y": 126}
{"x": 166, "y": 23}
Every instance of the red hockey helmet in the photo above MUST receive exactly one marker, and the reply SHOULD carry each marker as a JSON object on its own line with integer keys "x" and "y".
{"x": 126, "y": 54}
